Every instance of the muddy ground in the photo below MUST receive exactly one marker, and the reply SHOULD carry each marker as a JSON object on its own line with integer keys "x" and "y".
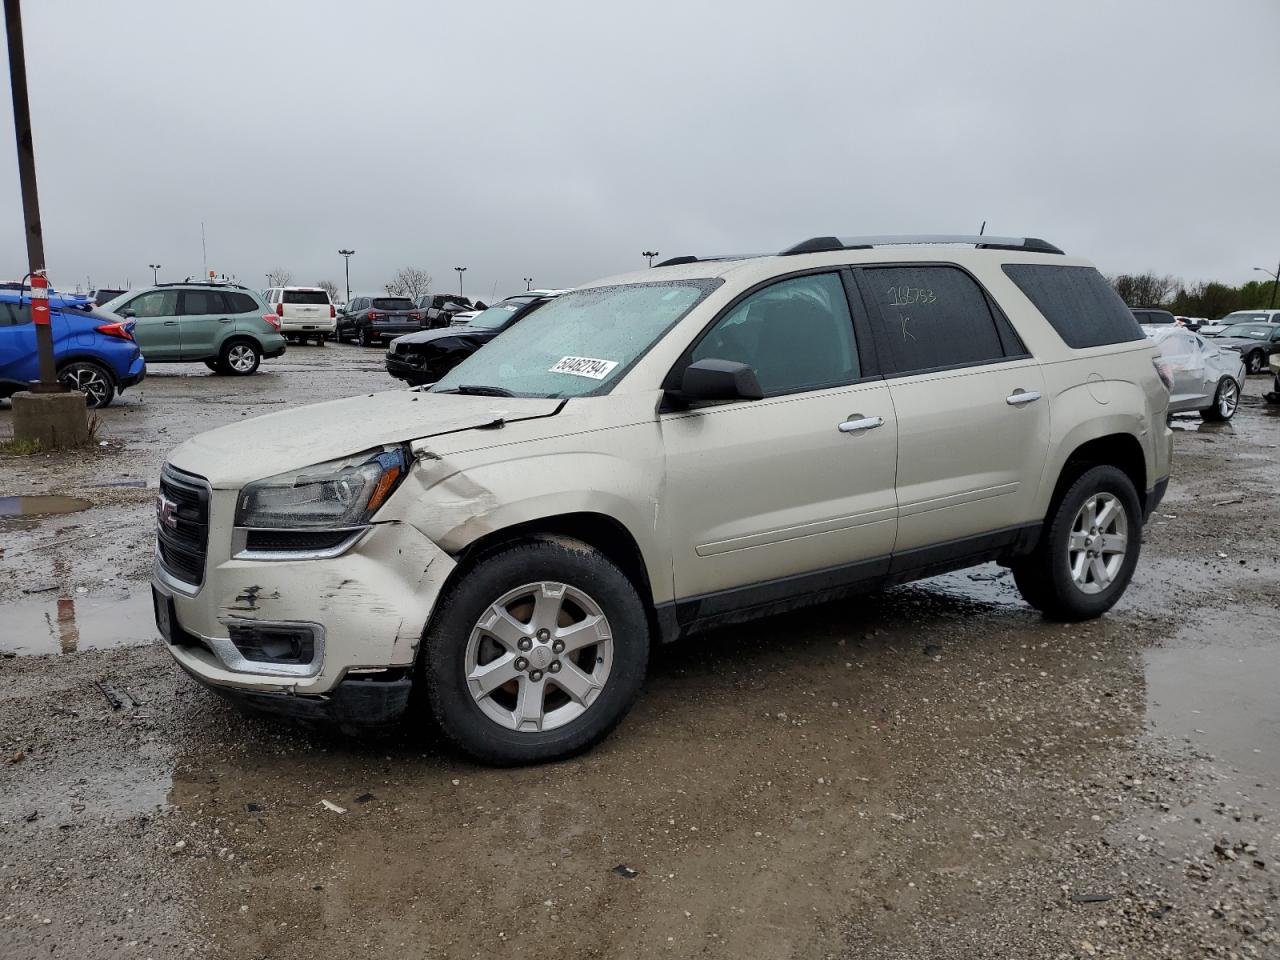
{"x": 934, "y": 772}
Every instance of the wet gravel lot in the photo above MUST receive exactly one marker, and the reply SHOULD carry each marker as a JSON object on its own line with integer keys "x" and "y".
{"x": 931, "y": 772}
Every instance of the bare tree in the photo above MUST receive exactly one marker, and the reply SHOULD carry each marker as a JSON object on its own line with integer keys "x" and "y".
{"x": 1144, "y": 289}
{"x": 331, "y": 288}
{"x": 279, "y": 277}
{"x": 409, "y": 282}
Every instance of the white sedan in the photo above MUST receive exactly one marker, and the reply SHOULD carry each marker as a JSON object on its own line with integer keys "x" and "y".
{"x": 1206, "y": 378}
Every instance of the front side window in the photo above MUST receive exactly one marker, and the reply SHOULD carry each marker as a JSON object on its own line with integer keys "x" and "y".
{"x": 797, "y": 335}
{"x": 580, "y": 343}
{"x": 154, "y": 303}
{"x": 932, "y": 317}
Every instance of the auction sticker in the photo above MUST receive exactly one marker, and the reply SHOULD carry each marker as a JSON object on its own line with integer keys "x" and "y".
{"x": 584, "y": 367}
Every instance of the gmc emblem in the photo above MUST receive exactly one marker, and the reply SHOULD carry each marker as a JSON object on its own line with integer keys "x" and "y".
{"x": 167, "y": 512}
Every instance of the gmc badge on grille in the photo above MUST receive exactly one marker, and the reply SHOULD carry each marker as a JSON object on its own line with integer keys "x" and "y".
{"x": 167, "y": 512}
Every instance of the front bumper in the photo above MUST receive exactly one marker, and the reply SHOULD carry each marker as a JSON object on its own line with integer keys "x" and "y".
{"x": 367, "y": 609}
{"x": 402, "y": 369}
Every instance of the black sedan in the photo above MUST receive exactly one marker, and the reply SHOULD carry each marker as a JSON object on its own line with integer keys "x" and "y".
{"x": 1255, "y": 341}
{"x": 421, "y": 358}
{"x": 374, "y": 319}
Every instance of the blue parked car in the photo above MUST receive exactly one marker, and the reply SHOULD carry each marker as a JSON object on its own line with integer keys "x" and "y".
{"x": 94, "y": 350}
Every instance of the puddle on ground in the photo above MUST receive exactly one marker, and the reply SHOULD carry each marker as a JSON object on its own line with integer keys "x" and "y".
{"x": 989, "y": 584}
{"x": 1212, "y": 689}
{"x": 65, "y": 624}
{"x": 101, "y": 789}
{"x": 40, "y": 505}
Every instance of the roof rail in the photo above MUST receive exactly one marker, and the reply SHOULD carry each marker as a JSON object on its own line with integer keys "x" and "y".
{"x": 677, "y": 261}
{"x": 202, "y": 283}
{"x": 824, "y": 244}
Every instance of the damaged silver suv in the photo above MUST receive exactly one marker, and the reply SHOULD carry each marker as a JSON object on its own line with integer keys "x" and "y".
{"x": 655, "y": 454}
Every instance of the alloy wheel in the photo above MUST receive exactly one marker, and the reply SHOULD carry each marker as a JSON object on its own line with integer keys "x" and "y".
{"x": 539, "y": 657}
{"x": 240, "y": 358}
{"x": 1098, "y": 543}
{"x": 1228, "y": 399}
{"x": 89, "y": 380}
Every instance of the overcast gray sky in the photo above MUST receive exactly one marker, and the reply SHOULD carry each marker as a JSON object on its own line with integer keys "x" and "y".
{"x": 558, "y": 140}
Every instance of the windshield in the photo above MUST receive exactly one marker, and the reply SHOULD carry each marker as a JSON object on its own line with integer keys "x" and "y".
{"x": 1231, "y": 318}
{"x": 1258, "y": 331}
{"x": 497, "y": 316}
{"x": 579, "y": 343}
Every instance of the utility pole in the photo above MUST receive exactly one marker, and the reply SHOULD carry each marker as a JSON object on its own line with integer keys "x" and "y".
{"x": 1275, "y": 282}
{"x": 30, "y": 200}
{"x": 528, "y": 283}
{"x": 46, "y": 413}
{"x": 347, "y": 255}
{"x": 461, "y": 271}
{"x": 650, "y": 254}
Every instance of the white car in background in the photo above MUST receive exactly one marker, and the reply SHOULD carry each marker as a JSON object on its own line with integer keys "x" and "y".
{"x": 306, "y": 313}
{"x": 1206, "y": 378}
{"x": 1240, "y": 316}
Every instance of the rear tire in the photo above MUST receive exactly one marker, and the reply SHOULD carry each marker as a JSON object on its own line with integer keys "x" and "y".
{"x": 1088, "y": 548}
{"x": 532, "y": 592}
{"x": 239, "y": 358}
{"x": 1255, "y": 361}
{"x": 366, "y": 338}
{"x": 1226, "y": 400}
{"x": 91, "y": 378}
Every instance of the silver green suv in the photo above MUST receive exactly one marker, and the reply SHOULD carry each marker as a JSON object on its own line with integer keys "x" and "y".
{"x": 223, "y": 325}
{"x": 655, "y": 454}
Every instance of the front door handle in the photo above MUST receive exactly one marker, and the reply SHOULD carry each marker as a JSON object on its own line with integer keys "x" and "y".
{"x": 856, "y": 423}
{"x": 1019, "y": 397}
{"x": 171, "y": 323}
{"x": 224, "y": 319}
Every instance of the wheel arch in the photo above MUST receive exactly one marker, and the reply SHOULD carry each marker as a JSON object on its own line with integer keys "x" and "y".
{"x": 1122, "y": 450}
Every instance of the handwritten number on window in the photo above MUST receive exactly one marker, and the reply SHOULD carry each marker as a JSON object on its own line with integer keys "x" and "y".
{"x": 906, "y": 296}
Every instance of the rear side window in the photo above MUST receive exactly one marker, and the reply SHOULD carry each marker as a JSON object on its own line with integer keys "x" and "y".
{"x": 12, "y": 315}
{"x": 202, "y": 302}
{"x": 1078, "y": 303}
{"x": 933, "y": 317}
{"x": 240, "y": 302}
{"x": 306, "y": 296}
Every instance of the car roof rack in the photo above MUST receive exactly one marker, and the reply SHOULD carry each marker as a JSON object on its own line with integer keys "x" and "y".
{"x": 677, "y": 261}
{"x": 981, "y": 242}
{"x": 202, "y": 283}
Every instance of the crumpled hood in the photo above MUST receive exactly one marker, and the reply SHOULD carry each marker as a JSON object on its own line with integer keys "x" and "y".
{"x": 239, "y": 453}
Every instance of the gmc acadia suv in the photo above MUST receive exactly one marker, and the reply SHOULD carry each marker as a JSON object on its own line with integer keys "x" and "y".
{"x": 653, "y": 455}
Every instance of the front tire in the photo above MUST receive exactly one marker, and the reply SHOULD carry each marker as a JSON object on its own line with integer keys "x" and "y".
{"x": 536, "y": 653}
{"x": 1255, "y": 361}
{"x": 366, "y": 338}
{"x": 1088, "y": 549}
{"x": 240, "y": 358}
{"x": 92, "y": 379}
{"x": 1226, "y": 400}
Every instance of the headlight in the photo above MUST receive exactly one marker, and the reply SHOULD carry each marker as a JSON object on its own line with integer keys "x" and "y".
{"x": 339, "y": 494}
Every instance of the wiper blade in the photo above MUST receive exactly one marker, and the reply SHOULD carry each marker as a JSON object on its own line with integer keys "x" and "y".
{"x": 480, "y": 390}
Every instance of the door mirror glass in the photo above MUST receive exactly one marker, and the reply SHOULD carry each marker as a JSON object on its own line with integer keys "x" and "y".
{"x": 713, "y": 380}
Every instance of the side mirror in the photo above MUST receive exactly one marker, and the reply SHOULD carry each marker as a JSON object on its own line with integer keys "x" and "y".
{"x": 126, "y": 313}
{"x": 713, "y": 380}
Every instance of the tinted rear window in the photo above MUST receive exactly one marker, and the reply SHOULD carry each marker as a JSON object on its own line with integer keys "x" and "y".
{"x": 1078, "y": 303}
{"x": 241, "y": 302}
{"x": 306, "y": 296}
{"x": 392, "y": 303}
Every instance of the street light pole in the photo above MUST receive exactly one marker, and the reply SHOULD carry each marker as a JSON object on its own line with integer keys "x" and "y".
{"x": 528, "y": 283}
{"x": 1275, "y": 282}
{"x": 347, "y": 255}
{"x": 155, "y": 273}
{"x": 650, "y": 254}
{"x": 461, "y": 271}
{"x": 30, "y": 199}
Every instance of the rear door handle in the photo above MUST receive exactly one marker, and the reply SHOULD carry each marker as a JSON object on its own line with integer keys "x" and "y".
{"x": 1019, "y": 397}
{"x": 856, "y": 423}
{"x": 224, "y": 319}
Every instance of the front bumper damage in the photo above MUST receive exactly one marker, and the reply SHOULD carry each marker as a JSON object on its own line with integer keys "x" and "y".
{"x": 363, "y": 613}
